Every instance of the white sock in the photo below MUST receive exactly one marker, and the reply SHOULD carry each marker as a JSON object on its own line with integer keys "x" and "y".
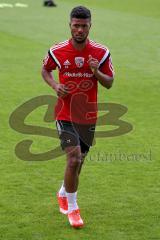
{"x": 62, "y": 191}
{"x": 72, "y": 201}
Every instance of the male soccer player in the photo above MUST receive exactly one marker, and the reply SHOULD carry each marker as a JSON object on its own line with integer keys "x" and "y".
{"x": 49, "y": 3}
{"x": 82, "y": 63}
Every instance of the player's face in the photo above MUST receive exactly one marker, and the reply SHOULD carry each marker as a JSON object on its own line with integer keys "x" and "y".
{"x": 80, "y": 29}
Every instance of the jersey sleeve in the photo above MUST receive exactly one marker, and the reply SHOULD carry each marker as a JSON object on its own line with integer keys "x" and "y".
{"x": 106, "y": 66}
{"x": 49, "y": 63}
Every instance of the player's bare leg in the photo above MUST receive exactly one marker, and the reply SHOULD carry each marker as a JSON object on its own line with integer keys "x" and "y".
{"x": 67, "y": 195}
{"x": 71, "y": 184}
{"x": 68, "y": 190}
{"x": 83, "y": 155}
{"x": 72, "y": 168}
{"x": 62, "y": 190}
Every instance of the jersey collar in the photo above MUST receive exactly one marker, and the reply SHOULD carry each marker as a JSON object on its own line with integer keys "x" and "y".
{"x": 79, "y": 51}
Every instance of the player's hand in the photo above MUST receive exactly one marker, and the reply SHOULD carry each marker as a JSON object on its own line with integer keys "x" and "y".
{"x": 61, "y": 90}
{"x": 93, "y": 63}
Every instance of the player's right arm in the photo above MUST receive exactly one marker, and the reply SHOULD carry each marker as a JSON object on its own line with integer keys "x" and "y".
{"x": 48, "y": 77}
{"x": 48, "y": 66}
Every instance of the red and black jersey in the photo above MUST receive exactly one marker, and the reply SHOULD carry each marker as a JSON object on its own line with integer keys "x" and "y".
{"x": 80, "y": 105}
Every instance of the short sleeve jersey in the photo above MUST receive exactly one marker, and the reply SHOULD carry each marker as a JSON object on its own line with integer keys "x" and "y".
{"x": 80, "y": 105}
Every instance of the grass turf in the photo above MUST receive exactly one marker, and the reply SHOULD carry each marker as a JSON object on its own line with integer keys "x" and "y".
{"x": 118, "y": 199}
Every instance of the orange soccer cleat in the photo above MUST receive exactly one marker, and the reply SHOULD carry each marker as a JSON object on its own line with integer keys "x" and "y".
{"x": 63, "y": 204}
{"x": 75, "y": 219}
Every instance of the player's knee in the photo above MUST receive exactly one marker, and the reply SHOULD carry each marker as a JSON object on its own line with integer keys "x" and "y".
{"x": 74, "y": 160}
{"x": 74, "y": 163}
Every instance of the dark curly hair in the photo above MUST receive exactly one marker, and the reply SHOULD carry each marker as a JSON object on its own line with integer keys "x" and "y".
{"x": 80, "y": 12}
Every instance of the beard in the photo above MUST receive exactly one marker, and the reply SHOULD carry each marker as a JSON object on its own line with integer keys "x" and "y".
{"x": 79, "y": 40}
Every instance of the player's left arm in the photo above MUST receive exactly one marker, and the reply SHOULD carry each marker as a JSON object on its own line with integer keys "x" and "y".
{"x": 105, "y": 79}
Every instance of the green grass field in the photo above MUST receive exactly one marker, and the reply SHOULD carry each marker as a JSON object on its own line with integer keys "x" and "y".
{"x": 119, "y": 198}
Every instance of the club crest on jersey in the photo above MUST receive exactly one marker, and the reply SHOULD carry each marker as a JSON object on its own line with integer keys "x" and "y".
{"x": 79, "y": 61}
